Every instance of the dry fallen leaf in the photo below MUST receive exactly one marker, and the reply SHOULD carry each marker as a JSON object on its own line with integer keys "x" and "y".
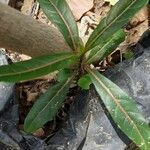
{"x": 138, "y": 25}
{"x": 112, "y": 2}
{"x": 39, "y": 133}
{"x": 80, "y": 7}
{"x": 140, "y": 17}
{"x": 27, "y": 7}
{"x": 31, "y": 97}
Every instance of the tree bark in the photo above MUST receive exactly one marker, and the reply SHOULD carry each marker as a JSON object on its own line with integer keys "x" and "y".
{"x": 25, "y": 35}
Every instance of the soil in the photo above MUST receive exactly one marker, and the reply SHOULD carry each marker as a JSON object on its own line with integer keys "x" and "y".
{"x": 87, "y": 18}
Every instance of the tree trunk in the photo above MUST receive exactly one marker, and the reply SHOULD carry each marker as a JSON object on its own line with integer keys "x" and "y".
{"x": 25, "y": 35}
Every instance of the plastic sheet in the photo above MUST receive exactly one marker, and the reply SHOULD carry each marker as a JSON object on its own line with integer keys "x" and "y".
{"x": 88, "y": 126}
{"x": 10, "y": 137}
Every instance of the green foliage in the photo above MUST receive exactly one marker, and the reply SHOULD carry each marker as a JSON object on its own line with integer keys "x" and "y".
{"x": 122, "y": 109}
{"x": 101, "y": 51}
{"x": 47, "y": 106}
{"x": 59, "y": 13}
{"x": 128, "y": 54}
{"x": 118, "y": 16}
{"x": 63, "y": 75}
{"x": 103, "y": 41}
{"x": 36, "y": 67}
{"x": 85, "y": 82}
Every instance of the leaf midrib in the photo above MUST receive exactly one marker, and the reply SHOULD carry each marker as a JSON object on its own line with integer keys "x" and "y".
{"x": 94, "y": 39}
{"x": 70, "y": 32}
{"x": 34, "y": 69}
{"x": 118, "y": 104}
{"x": 56, "y": 94}
{"x": 99, "y": 49}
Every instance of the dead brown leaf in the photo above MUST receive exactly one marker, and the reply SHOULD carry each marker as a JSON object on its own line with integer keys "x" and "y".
{"x": 138, "y": 25}
{"x": 39, "y": 133}
{"x": 80, "y": 7}
{"x": 31, "y": 97}
{"x": 140, "y": 17}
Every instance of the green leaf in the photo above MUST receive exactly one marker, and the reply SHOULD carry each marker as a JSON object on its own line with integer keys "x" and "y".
{"x": 46, "y": 107}
{"x": 85, "y": 82}
{"x": 128, "y": 54}
{"x": 63, "y": 75}
{"x": 98, "y": 53}
{"x": 122, "y": 109}
{"x": 36, "y": 67}
{"x": 60, "y": 14}
{"x": 118, "y": 16}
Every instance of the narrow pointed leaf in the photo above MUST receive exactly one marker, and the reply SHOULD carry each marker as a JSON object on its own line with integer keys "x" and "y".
{"x": 36, "y": 67}
{"x": 98, "y": 53}
{"x": 46, "y": 107}
{"x": 60, "y": 14}
{"x": 63, "y": 74}
{"x": 118, "y": 16}
{"x": 122, "y": 109}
